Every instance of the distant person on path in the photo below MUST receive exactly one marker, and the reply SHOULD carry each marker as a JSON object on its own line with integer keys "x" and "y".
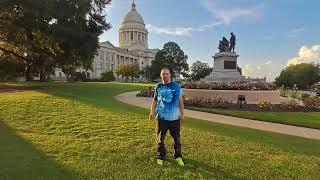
{"x": 168, "y": 108}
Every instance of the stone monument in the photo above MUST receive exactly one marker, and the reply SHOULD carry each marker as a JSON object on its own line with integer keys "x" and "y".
{"x": 225, "y": 66}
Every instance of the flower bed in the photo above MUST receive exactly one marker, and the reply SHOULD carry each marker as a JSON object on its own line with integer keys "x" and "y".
{"x": 145, "y": 92}
{"x": 232, "y": 85}
{"x": 262, "y": 105}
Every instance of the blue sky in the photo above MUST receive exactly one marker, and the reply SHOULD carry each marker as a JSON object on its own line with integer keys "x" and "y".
{"x": 270, "y": 34}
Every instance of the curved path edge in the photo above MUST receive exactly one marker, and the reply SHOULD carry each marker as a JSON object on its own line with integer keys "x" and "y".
{"x": 144, "y": 102}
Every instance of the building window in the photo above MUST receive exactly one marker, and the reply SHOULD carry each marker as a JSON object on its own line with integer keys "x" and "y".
{"x": 139, "y": 37}
{"x": 100, "y": 64}
{"x": 131, "y": 34}
{"x": 111, "y": 67}
{"x": 142, "y": 62}
{"x": 112, "y": 57}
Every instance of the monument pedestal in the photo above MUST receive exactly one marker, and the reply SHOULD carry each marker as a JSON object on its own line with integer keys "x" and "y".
{"x": 225, "y": 68}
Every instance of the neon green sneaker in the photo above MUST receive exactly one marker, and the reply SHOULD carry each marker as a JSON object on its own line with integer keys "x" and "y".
{"x": 160, "y": 162}
{"x": 179, "y": 161}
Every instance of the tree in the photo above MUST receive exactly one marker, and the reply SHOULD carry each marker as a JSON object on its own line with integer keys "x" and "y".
{"x": 303, "y": 75}
{"x": 128, "y": 70}
{"x": 36, "y": 32}
{"x": 133, "y": 71}
{"x": 9, "y": 68}
{"x": 200, "y": 70}
{"x": 120, "y": 70}
{"x": 171, "y": 56}
{"x": 239, "y": 69}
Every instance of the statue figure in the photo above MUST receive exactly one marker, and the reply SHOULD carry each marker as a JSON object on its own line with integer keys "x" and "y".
{"x": 221, "y": 48}
{"x": 232, "y": 42}
{"x": 225, "y": 45}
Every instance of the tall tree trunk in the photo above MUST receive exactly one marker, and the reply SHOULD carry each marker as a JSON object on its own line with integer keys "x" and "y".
{"x": 28, "y": 73}
{"x": 43, "y": 74}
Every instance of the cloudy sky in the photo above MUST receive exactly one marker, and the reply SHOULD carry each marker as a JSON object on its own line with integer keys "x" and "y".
{"x": 271, "y": 34}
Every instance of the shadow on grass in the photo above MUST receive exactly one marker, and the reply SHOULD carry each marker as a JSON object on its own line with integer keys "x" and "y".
{"x": 102, "y": 95}
{"x": 210, "y": 171}
{"x": 206, "y": 171}
{"x": 282, "y": 141}
{"x": 19, "y": 159}
{"x": 97, "y": 94}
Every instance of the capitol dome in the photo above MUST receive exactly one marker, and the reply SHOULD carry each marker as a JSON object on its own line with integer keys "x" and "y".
{"x": 133, "y": 19}
{"x": 132, "y": 31}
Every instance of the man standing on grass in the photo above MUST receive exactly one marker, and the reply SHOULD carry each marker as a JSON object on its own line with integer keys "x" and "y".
{"x": 168, "y": 108}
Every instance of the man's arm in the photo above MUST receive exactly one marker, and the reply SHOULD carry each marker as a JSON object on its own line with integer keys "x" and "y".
{"x": 181, "y": 108}
{"x": 152, "y": 109}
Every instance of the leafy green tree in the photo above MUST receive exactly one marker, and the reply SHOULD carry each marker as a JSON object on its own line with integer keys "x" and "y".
{"x": 171, "y": 56}
{"x": 10, "y": 68}
{"x": 200, "y": 70}
{"x": 128, "y": 71}
{"x": 303, "y": 75}
{"x": 67, "y": 32}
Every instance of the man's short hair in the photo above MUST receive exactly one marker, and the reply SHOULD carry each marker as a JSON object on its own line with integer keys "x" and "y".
{"x": 165, "y": 68}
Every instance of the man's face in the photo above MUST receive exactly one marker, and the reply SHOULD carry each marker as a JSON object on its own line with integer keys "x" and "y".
{"x": 165, "y": 75}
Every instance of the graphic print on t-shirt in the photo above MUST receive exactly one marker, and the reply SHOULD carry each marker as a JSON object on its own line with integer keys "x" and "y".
{"x": 167, "y": 96}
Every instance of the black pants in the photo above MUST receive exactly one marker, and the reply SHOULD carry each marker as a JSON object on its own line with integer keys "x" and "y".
{"x": 174, "y": 129}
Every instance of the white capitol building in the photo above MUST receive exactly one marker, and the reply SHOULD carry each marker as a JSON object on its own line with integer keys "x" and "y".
{"x": 133, "y": 48}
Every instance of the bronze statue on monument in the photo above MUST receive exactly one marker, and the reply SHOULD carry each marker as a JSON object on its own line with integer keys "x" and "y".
{"x": 226, "y": 46}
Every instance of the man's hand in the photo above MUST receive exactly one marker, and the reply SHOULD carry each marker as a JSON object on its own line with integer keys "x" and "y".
{"x": 152, "y": 110}
{"x": 151, "y": 116}
{"x": 181, "y": 120}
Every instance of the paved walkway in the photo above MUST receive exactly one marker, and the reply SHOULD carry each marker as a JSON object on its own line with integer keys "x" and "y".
{"x": 130, "y": 98}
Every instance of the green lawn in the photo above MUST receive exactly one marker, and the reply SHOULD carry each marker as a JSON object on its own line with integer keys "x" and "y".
{"x": 303, "y": 119}
{"x": 79, "y": 131}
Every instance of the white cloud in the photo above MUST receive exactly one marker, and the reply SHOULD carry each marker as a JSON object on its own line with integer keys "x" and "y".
{"x": 179, "y": 31}
{"x": 294, "y": 32}
{"x": 267, "y": 63}
{"x": 229, "y": 14}
{"x": 306, "y": 55}
{"x": 267, "y": 69}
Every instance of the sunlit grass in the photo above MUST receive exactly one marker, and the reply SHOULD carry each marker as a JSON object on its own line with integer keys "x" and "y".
{"x": 73, "y": 131}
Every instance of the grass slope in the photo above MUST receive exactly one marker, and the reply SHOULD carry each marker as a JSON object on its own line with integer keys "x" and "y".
{"x": 79, "y": 130}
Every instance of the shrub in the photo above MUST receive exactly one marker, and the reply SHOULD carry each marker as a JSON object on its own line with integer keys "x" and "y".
{"x": 294, "y": 95}
{"x": 79, "y": 76}
{"x": 304, "y": 96}
{"x": 312, "y": 102}
{"x": 264, "y": 105}
{"x": 195, "y": 101}
{"x": 146, "y": 92}
{"x": 218, "y": 102}
{"x": 283, "y": 93}
{"x": 107, "y": 76}
{"x": 290, "y": 104}
{"x": 214, "y": 102}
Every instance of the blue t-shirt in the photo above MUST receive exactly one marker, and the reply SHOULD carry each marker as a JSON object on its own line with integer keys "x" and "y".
{"x": 167, "y": 96}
